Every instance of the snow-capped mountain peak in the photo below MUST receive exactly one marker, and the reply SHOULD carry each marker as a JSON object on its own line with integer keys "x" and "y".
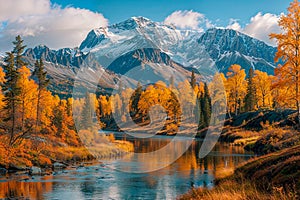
{"x": 138, "y": 40}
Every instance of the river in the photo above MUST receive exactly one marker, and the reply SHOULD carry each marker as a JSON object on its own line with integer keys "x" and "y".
{"x": 102, "y": 181}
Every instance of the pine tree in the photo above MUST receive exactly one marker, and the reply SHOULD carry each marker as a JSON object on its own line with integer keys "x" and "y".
{"x": 250, "y": 98}
{"x": 198, "y": 111}
{"x": 193, "y": 80}
{"x": 12, "y": 91}
{"x": 18, "y": 51}
{"x": 206, "y": 106}
{"x": 42, "y": 81}
{"x": 58, "y": 118}
{"x": 135, "y": 99}
{"x": 11, "y": 95}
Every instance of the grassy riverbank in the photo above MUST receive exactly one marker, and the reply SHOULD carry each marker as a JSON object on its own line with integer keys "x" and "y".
{"x": 43, "y": 151}
{"x": 275, "y": 174}
{"x": 272, "y": 176}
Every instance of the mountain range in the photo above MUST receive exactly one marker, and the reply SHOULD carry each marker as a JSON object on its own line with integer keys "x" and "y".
{"x": 140, "y": 50}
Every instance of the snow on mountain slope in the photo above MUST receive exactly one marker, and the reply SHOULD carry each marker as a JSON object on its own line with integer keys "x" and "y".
{"x": 217, "y": 48}
{"x": 111, "y": 51}
{"x": 227, "y": 47}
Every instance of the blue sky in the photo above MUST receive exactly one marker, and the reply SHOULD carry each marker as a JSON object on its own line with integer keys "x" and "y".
{"x": 65, "y": 23}
{"x": 157, "y": 10}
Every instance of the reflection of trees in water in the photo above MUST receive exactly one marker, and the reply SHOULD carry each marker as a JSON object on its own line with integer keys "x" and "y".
{"x": 186, "y": 172}
{"x": 26, "y": 190}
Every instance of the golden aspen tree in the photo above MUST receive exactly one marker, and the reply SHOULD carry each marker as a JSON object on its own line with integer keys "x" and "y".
{"x": 125, "y": 96}
{"x": 263, "y": 85}
{"x": 188, "y": 100}
{"x": 2, "y": 79}
{"x": 236, "y": 87}
{"x": 28, "y": 97}
{"x": 218, "y": 95}
{"x": 288, "y": 53}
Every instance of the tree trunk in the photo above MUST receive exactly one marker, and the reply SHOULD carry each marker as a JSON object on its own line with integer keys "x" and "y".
{"x": 12, "y": 133}
{"x": 37, "y": 111}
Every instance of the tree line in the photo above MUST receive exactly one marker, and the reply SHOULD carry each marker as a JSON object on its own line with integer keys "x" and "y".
{"x": 27, "y": 108}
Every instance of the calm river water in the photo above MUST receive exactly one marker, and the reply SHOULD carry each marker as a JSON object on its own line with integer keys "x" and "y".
{"x": 101, "y": 181}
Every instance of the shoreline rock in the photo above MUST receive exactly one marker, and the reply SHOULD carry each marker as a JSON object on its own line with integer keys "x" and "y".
{"x": 35, "y": 171}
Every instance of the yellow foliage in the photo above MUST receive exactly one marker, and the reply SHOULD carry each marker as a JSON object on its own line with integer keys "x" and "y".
{"x": 235, "y": 87}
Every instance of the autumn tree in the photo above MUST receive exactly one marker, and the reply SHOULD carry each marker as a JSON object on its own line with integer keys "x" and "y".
{"x": 288, "y": 53}
{"x": 125, "y": 97}
{"x": 86, "y": 115}
{"x": 187, "y": 98}
{"x": 104, "y": 109}
{"x": 27, "y": 97}
{"x": 41, "y": 78}
{"x": 116, "y": 104}
{"x": 218, "y": 97}
{"x": 250, "y": 98}
{"x": 2, "y": 79}
{"x": 263, "y": 85}
{"x": 235, "y": 87}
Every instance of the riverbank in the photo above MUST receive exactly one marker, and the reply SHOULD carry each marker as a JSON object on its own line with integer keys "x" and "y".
{"x": 42, "y": 153}
{"x": 275, "y": 174}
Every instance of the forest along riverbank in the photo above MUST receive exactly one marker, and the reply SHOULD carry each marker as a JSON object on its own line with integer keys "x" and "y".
{"x": 42, "y": 154}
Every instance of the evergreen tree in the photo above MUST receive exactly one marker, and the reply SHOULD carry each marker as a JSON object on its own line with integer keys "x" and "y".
{"x": 58, "y": 118}
{"x": 42, "y": 81}
{"x": 11, "y": 95}
{"x": 250, "y": 98}
{"x": 12, "y": 91}
{"x": 18, "y": 51}
{"x": 198, "y": 111}
{"x": 193, "y": 80}
{"x": 135, "y": 99}
{"x": 206, "y": 106}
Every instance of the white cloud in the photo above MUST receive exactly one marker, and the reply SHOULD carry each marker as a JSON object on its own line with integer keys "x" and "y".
{"x": 188, "y": 19}
{"x": 260, "y": 27}
{"x": 12, "y": 10}
{"x": 39, "y": 22}
{"x": 234, "y": 24}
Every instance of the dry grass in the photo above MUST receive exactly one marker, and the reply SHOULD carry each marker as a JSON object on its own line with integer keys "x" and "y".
{"x": 43, "y": 151}
{"x": 275, "y": 176}
{"x": 245, "y": 141}
{"x": 233, "y": 190}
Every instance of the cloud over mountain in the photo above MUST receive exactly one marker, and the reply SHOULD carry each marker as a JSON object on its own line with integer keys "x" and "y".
{"x": 259, "y": 27}
{"x": 40, "y": 22}
{"x": 188, "y": 19}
